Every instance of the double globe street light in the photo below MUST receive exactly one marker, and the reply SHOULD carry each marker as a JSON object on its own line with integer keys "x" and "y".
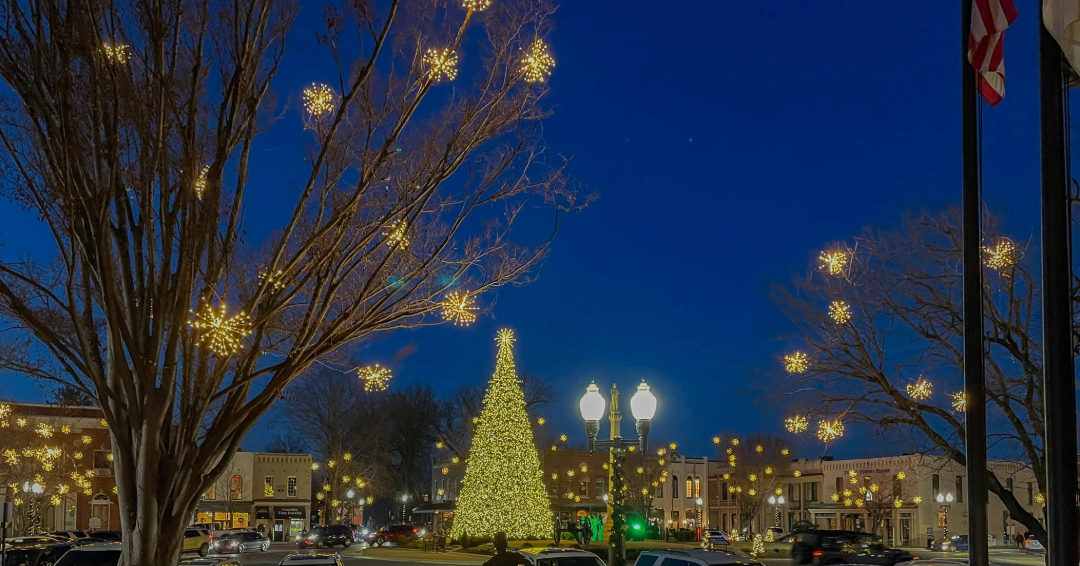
{"x": 643, "y": 407}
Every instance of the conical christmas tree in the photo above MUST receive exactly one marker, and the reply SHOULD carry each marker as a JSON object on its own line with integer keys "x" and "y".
{"x": 503, "y": 488}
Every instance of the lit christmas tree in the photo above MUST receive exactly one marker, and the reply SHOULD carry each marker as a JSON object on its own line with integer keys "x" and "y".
{"x": 503, "y": 488}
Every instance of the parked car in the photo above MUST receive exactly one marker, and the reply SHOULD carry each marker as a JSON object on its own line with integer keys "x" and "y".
{"x": 714, "y": 538}
{"x": 326, "y": 537}
{"x": 958, "y": 543}
{"x": 31, "y": 539}
{"x": 107, "y": 535}
{"x": 206, "y": 526}
{"x": 93, "y": 554}
{"x": 210, "y": 561}
{"x": 73, "y": 535}
{"x": 777, "y": 533}
{"x": 235, "y": 543}
{"x": 40, "y": 554}
{"x": 196, "y": 540}
{"x": 1032, "y": 543}
{"x": 693, "y": 557}
{"x": 392, "y": 533}
{"x": 559, "y": 557}
{"x": 824, "y": 547}
{"x": 317, "y": 559}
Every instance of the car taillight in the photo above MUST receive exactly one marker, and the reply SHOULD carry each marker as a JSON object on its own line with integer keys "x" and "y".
{"x": 818, "y": 553}
{"x": 415, "y": 529}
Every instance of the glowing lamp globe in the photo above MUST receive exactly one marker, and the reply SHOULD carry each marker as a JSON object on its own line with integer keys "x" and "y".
{"x": 940, "y": 498}
{"x": 592, "y": 403}
{"x": 698, "y": 501}
{"x": 350, "y": 494}
{"x": 643, "y": 403}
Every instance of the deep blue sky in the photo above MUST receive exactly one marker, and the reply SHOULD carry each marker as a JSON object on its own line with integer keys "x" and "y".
{"x": 728, "y": 141}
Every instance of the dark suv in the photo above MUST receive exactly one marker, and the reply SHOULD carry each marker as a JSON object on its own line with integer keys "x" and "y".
{"x": 821, "y": 548}
{"x": 325, "y": 537}
{"x": 392, "y": 533}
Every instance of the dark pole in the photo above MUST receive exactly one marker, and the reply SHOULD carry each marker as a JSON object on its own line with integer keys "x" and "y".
{"x": 1059, "y": 385}
{"x": 974, "y": 382}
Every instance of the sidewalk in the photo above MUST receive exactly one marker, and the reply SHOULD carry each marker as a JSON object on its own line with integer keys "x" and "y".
{"x": 416, "y": 555}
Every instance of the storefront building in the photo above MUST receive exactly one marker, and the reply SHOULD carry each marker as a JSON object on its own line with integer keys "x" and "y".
{"x": 282, "y": 503}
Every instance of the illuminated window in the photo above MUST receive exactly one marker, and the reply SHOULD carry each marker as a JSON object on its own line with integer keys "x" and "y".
{"x": 697, "y": 487}
{"x": 268, "y": 487}
{"x": 291, "y": 486}
{"x": 689, "y": 487}
{"x": 211, "y": 492}
{"x": 236, "y": 488}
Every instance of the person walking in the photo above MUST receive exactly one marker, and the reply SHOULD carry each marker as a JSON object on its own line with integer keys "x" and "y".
{"x": 586, "y": 529}
{"x": 558, "y": 531}
{"x": 503, "y": 556}
{"x": 1019, "y": 541}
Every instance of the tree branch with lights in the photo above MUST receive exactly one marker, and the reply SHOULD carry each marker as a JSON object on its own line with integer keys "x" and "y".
{"x": 879, "y": 344}
{"x": 152, "y": 299}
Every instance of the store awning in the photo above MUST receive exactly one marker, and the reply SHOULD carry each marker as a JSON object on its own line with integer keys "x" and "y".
{"x": 435, "y": 507}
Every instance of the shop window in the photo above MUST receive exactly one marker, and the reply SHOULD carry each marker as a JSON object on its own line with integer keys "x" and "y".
{"x": 211, "y": 492}
{"x": 697, "y": 487}
{"x": 268, "y": 487}
{"x": 236, "y": 488}
{"x": 811, "y": 492}
{"x": 601, "y": 486}
{"x": 291, "y": 486}
{"x": 689, "y": 487}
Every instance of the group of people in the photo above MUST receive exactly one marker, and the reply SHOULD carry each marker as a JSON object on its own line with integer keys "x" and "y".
{"x": 585, "y": 529}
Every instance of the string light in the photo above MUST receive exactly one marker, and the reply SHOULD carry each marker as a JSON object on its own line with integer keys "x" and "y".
{"x": 901, "y": 476}
{"x": 959, "y": 401}
{"x": 921, "y": 389}
{"x": 716, "y": 440}
{"x": 840, "y": 312}
{"x": 65, "y": 429}
{"x": 832, "y": 263}
{"x": 439, "y": 445}
{"x": 759, "y": 449}
{"x": 319, "y": 100}
{"x": 917, "y": 499}
{"x": 220, "y": 333}
{"x": 5, "y": 411}
{"x": 455, "y": 460}
{"x": 21, "y": 422}
{"x": 460, "y": 309}
{"x": 796, "y": 424}
{"x": 830, "y": 430}
{"x": 836, "y": 497}
{"x": 375, "y": 378}
{"x": 503, "y": 489}
{"x": 673, "y": 446}
{"x": 584, "y": 468}
{"x": 768, "y": 471}
{"x": 86, "y": 439}
{"x": 314, "y": 466}
{"x": 541, "y": 421}
{"x": 118, "y": 53}
{"x": 734, "y": 441}
{"x": 562, "y": 437}
{"x": 797, "y": 473}
{"x": 200, "y": 183}
{"x": 785, "y": 452}
{"x": 475, "y": 5}
{"x": 796, "y": 362}
{"x": 537, "y": 63}
{"x": 330, "y": 464}
{"x": 442, "y": 64}
{"x": 1001, "y": 255}
{"x": 661, "y": 451}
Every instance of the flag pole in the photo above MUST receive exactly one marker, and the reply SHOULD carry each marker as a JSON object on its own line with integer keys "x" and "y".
{"x": 974, "y": 380}
{"x": 1059, "y": 386}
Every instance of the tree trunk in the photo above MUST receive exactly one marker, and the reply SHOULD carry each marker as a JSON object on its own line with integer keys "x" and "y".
{"x": 1017, "y": 512}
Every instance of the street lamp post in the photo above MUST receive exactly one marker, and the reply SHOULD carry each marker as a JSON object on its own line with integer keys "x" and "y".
{"x": 776, "y": 502}
{"x": 643, "y": 406}
{"x": 404, "y": 500}
{"x": 697, "y": 524}
{"x": 945, "y": 501}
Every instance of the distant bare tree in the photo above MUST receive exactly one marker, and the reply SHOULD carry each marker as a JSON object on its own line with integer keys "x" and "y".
{"x": 287, "y": 443}
{"x": 645, "y": 474}
{"x": 881, "y": 324}
{"x": 129, "y": 128}
{"x": 456, "y": 412}
{"x": 756, "y": 466}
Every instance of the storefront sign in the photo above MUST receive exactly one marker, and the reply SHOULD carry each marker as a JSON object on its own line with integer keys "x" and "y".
{"x": 288, "y": 512}
{"x": 262, "y": 512}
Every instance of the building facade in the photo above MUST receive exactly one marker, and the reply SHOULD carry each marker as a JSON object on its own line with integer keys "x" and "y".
{"x": 268, "y": 492}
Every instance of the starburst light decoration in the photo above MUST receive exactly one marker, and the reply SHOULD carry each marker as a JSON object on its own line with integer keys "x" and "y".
{"x": 439, "y": 445}
{"x": 785, "y": 452}
{"x": 753, "y": 477}
{"x": 537, "y": 63}
{"x": 445, "y": 470}
{"x": 661, "y": 451}
{"x": 835, "y": 497}
{"x": 460, "y": 309}
{"x": 562, "y": 437}
{"x": 44, "y": 430}
{"x": 117, "y": 53}
{"x": 11, "y": 456}
{"x": 503, "y": 489}
{"x": 21, "y": 422}
{"x": 220, "y": 333}
{"x": 921, "y": 389}
{"x": 1001, "y": 255}
{"x": 768, "y": 472}
{"x": 375, "y": 378}
{"x": 796, "y": 362}
{"x": 584, "y": 468}
{"x": 475, "y": 5}
{"x": 898, "y": 503}
{"x": 917, "y": 499}
{"x": 319, "y": 100}
{"x": 570, "y": 473}
{"x": 759, "y": 449}
{"x": 541, "y": 421}
{"x": 65, "y": 429}
{"x": 716, "y": 440}
{"x": 796, "y": 424}
{"x": 959, "y": 401}
{"x": 840, "y": 312}
{"x": 314, "y": 466}
{"x": 455, "y": 460}
{"x": 830, "y": 430}
{"x": 442, "y": 64}
{"x": 901, "y": 476}
{"x": 832, "y": 263}
{"x": 797, "y": 473}
{"x": 752, "y": 492}
{"x": 397, "y": 235}
{"x": 734, "y": 441}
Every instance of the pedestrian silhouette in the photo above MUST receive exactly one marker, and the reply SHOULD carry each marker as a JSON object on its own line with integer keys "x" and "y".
{"x": 503, "y": 556}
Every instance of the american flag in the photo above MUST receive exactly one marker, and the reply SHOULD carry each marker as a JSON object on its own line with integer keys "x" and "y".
{"x": 989, "y": 18}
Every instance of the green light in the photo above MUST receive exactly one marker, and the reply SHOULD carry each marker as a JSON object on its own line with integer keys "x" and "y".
{"x": 637, "y": 526}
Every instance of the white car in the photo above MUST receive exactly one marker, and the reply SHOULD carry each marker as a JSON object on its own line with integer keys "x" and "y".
{"x": 714, "y": 538}
{"x": 1033, "y": 544}
{"x": 96, "y": 554}
{"x": 694, "y": 557}
{"x": 559, "y": 557}
{"x": 316, "y": 559}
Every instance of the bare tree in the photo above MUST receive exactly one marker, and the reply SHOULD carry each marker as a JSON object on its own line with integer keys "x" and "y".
{"x": 129, "y": 130}
{"x": 879, "y": 494}
{"x": 756, "y": 466}
{"x": 880, "y": 325}
{"x": 645, "y": 473}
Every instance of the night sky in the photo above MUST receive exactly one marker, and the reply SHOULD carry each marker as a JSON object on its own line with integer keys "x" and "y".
{"x": 728, "y": 142}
